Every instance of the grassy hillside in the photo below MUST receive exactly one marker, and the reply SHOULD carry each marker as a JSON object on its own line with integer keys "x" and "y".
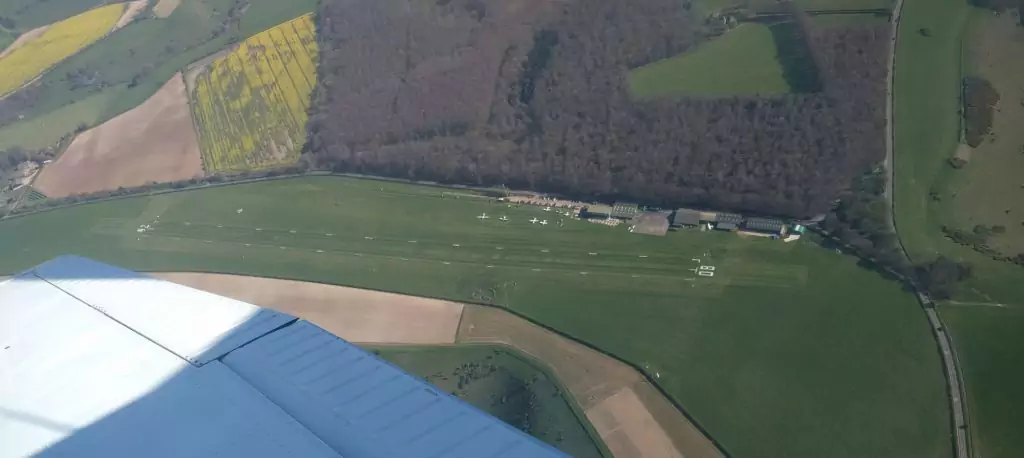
{"x": 744, "y": 61}
{"x": 781, "y": 331}
{"x": 506, "y": 384}
{"x": 928, "y": 193}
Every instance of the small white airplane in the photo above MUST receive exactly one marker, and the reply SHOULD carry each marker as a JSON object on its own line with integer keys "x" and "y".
{"x": 544, "y": 222}
{"x": 547, "y": 209}
{"x": 534, "y": 221}
{"x": 483, "y": 216}
{"x": 503, "y": 218}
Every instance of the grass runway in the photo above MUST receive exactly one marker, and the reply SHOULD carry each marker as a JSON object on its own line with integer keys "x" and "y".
{"x": 781, "y": 331}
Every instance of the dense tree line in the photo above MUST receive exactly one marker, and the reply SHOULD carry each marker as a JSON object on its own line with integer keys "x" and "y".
{"x": 539, "y": 97}
{"x": 980, "y": 99}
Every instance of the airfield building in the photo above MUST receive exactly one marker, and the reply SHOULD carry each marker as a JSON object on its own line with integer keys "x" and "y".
{"x": 625, "y": 210}
{"x": 685, "y": 217}
{"x": 651, "y": 223}
{"x": 765, "y": 226}
{"x": 597, "y": 211}
{"x": 110, "y": 363}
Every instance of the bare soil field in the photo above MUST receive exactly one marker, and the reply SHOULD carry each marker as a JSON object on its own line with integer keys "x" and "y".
{"x": 644, "y": 426}
{"x": 133, "y": 9}
{"x": 153, "y": 142}
{"x": 629, "y": 429}
{"x": 358, "y": 315}
{"x": 24, "y": 38}
{"x": 164, "y": 8}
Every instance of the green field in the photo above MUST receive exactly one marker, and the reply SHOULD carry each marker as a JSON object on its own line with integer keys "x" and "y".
{"x": 782, "y": 331}
{"x": 988, "y": 190}
{"x": 926, "y": 120}
{"x": 990, "y": 342}
{"x": 136, "y": 61}
{"x": 744, "y": 61}
{"x": 508, "y": 385}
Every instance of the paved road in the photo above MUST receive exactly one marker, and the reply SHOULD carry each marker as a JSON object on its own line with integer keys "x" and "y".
{"x": 950, "y": 361}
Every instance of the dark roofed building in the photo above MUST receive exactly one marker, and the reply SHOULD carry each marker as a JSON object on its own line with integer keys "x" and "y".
{"x": 686, "y": 217}
{"x": 597, "y": 211}
{"x": 731, "y": 218}
{"x": 767, "y": 225}
{"x": 726, "y": 226}
{"x": 625, "y": 210}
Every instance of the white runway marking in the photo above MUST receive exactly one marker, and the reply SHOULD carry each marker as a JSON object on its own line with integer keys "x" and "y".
{"x": 292, "y": 232}
{"x": 319, "y": 251}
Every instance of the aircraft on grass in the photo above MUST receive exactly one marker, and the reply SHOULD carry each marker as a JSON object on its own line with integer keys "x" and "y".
{"x": 534, "y": 221}
{"x": 544, "y": 223}
{"x": 483, "y": 216}
{"x": 503, "y": 218}
{"x": 547, "y": 209}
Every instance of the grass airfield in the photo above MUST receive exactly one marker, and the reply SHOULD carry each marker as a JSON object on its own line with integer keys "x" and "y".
{"x": 781, "y": 330}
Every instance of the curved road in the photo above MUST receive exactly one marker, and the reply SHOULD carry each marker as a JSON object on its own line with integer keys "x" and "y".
{"x": 950, "y": 362}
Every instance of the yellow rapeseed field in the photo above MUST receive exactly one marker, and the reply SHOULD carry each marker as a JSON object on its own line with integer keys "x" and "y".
{"x": 251, "y": 104}
{"x": 61, "y": 40}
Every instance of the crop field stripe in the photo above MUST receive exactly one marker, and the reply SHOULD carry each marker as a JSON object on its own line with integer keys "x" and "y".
{"x": 247, "y": 144}
{"x": 271, "y": 92}
{"x": 302, "y": 55}
{"x": 279, "y": 102}
{"x": 309, "y": 40}
{"x": 282, "y": 81}
{"x": 301, "y": 84}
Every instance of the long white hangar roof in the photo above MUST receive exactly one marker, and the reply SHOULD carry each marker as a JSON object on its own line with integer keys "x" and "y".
{"x": 98, "y": 361}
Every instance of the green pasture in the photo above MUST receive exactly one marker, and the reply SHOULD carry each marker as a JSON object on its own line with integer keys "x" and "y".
{"x": 989, "y": 190}
{"x": 926, "y": 122}
{"x": 929, "y": 68}
{"x": 781, "y": 331}
{"x": 990, "y": 343}
{"x": 508, "y": 385}
{"x": 743, "y": 61}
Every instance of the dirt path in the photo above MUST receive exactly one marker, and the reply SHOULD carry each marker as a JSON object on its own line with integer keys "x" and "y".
{"x": 357, "y": 315}
{"x": 24, "y": 38}
{"x": 154, "y": 142}
{"x": 133, "y": 9}
{"x": 631, "y": 416}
